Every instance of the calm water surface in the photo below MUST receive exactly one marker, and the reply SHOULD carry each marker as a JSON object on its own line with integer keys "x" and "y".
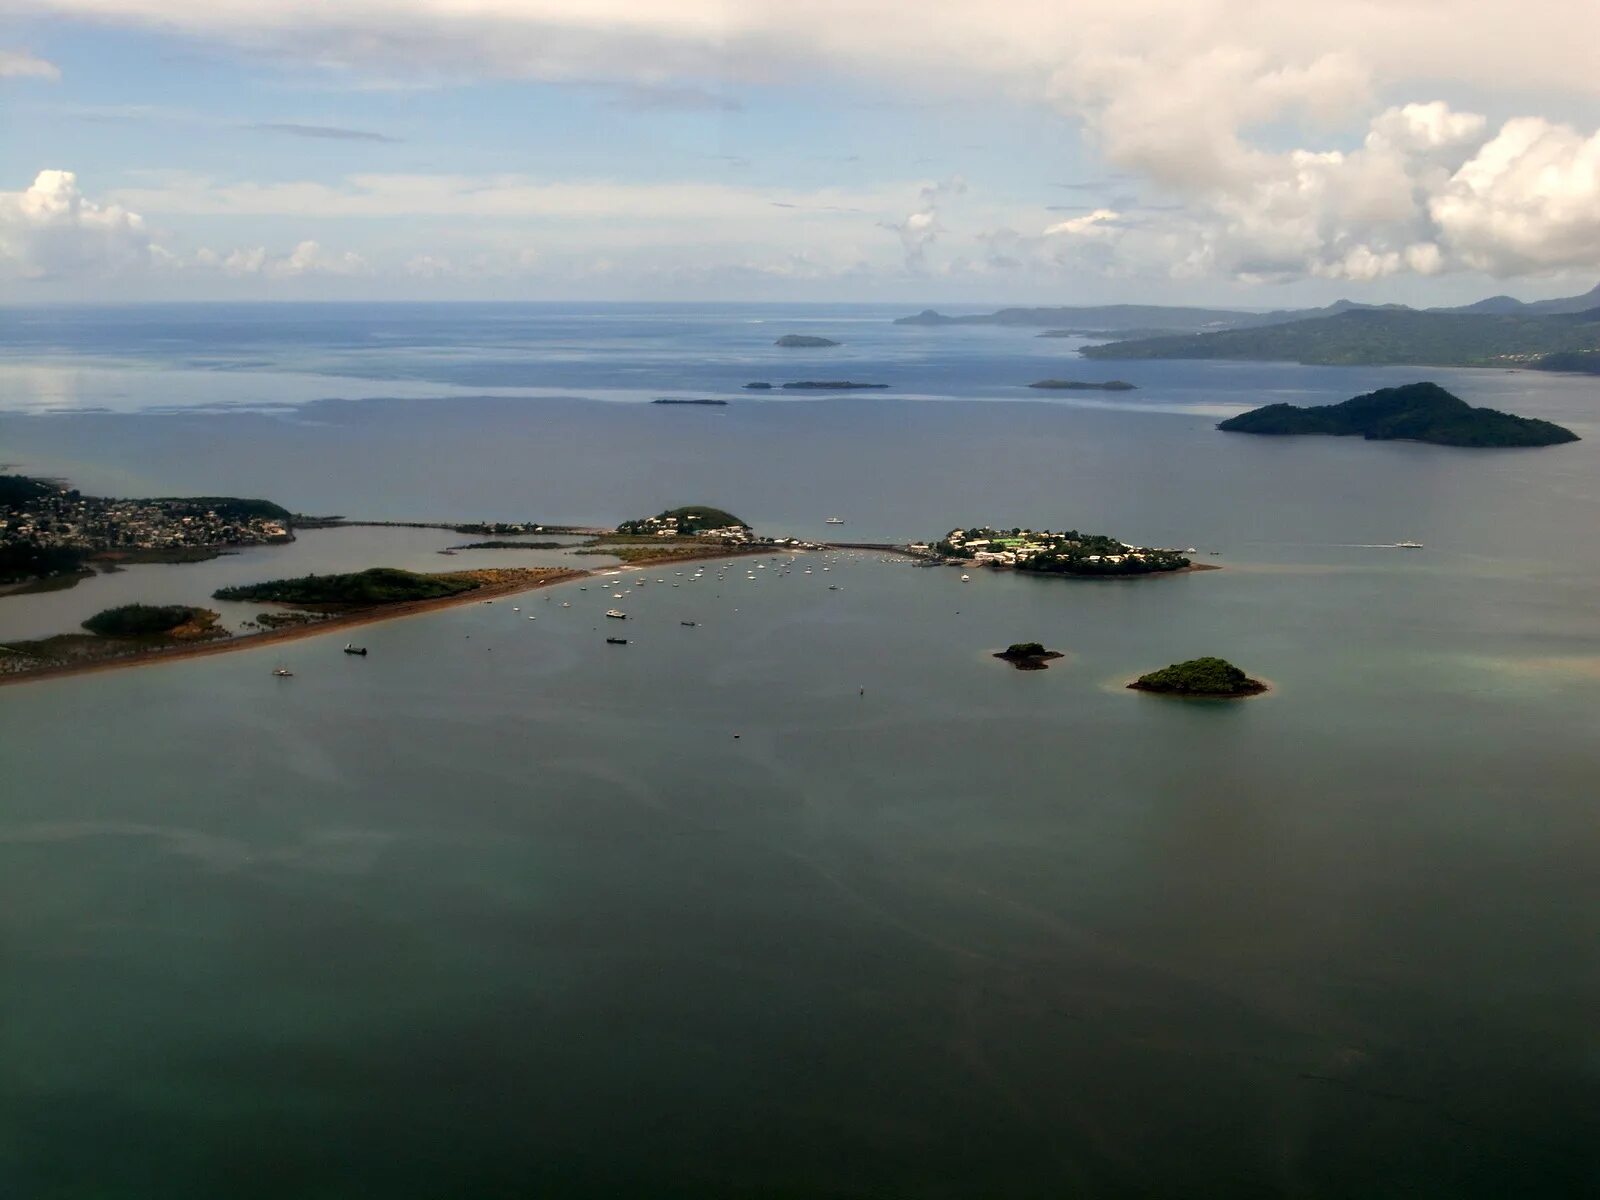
{"x": 504, "y": 910}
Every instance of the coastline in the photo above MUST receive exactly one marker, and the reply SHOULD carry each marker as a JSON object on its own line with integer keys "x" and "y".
{"x": 365, "y": 616}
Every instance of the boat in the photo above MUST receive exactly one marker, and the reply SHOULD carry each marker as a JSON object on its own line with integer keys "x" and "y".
{"x": 833, "y": 587}
{"x": 566, "y": 604}
{"x": 352, "y": 648}
{"x": 691, "y": 624}
{"x": 282, "y": 672}
{"x": 1408, "y": 545}
{"x": 616, "y": 614}
{"x": 966, "y": 579}
{"x": 616, "y": 641}
{"x": 835, "y": 521}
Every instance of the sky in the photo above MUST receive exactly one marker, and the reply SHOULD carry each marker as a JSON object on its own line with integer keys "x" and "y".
{"x": 1257, "y": 153}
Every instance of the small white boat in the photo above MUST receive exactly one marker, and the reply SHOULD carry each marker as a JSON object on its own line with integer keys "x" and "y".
{"x": 616, "y": 614}
{"x": 966, "y": 579}
{"x": 566, "y": 604}
{"x": 1408, "y": 545}
{"x": 835, "y": 521}
{"x": 282, "y": 672}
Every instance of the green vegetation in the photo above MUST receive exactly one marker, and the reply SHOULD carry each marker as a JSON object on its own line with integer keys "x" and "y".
{"x": 29, "y": 560}
{"x": 1387, "y": 335}
{"x": 508, "y": 545}
{"x": 18, "y": 491}
{"x": 379, "y": 585}
{"x": 1420, "y": 412}
{"x": 795, "y": 341}
{"x": 1079, "y": 385}
{"x": 686, "y": 521}
{"x": 143, "y": 620}
{"x": 1200, "y": 677}
{"x": 228, "y": 508}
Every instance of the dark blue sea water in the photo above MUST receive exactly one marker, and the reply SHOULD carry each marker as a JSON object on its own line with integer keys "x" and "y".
{"x": 504, "y": 910}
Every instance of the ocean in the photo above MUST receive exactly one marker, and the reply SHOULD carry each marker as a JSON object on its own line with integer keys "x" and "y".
{"x": 815, "y": 897}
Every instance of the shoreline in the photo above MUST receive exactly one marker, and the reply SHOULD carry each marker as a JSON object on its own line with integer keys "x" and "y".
{"x": 364, "y": 616}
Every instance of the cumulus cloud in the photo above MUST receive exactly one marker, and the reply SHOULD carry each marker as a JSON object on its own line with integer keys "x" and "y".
{"x": 920, "y": 229}
{"x": 50, "y": 229}
{"x": 306, "y": 259}
{"x": 18, "y": 64}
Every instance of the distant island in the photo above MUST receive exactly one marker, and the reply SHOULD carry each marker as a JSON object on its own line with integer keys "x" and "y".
{"x": 1044, "y": 552}
{"x": 1080, "y": 385}
{"x": 675, "y": 400}
{"x": 1418, "y": 412}
{"x": 1028, "y": 656}
{"x": 819, "y": 385}
{"x": 798, "y": 341}
{"x": 1562, "y": 334}
{"x": 1537, "y": 339}
{"x": 51, "y": 534}
{"x": 1200, "y": 677}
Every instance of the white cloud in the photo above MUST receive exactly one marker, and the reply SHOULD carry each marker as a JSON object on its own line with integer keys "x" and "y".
{"x": 50, "y": 230}
{"x": 920, "y": 229}
{"x": 19, "y": 64}
{"x": 1174, "y": 91}
{"x": 500, "y": 196}
{"x": 306, "y": 259}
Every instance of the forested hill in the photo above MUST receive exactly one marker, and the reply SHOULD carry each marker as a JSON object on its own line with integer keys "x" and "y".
{"x": 1394, "y": 336}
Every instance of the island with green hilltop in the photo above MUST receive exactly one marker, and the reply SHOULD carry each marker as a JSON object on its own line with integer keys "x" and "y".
{"x": 1214, "y": 678}
{"x": 1047, "y": 552}
{"x": 1417, "y": 412}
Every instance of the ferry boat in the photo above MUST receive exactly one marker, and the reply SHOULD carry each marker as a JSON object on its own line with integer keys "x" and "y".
{"x": 616, "y": 614}
{"x": 1408, "y": 545}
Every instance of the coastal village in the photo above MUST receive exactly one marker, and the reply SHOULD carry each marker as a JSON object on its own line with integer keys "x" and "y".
{"x": 48, "y": 515}
{"x": 1067, "y": 552}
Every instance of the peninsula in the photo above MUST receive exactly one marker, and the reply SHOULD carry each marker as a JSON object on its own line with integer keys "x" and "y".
{"x": 1045, "y": 552}
{"x": 1417, "y": 412}
{"x": 313, "y": 604}
{"x": 1215, "y": 678}
{"x": 1535, "y": 339}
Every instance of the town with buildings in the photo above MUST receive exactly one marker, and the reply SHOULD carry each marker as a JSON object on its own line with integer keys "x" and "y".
{"x": 1058, "y": 553}
{"x": 46, "y": 527}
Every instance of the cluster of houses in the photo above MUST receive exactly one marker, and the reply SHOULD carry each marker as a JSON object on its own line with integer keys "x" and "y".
{"x": 671, "y": 527}
{"x": 996, "y": 548}
{"x": 65, "y": 518}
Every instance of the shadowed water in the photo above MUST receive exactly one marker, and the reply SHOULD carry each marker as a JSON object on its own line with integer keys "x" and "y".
{"x": 504, "y": 910}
